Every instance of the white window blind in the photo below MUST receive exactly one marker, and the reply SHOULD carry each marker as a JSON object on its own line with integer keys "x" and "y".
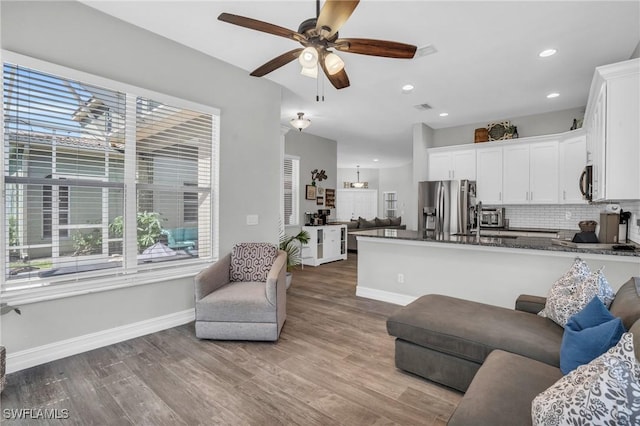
{"x": 101, "y": 182}
{"x": 291, "y": 168}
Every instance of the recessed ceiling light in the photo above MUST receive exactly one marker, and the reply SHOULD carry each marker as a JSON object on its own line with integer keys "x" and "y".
{"x": 407, "y": 88}
{"x": 553, "y": 95}
{"x": 375, "y": 160}
{"x": 547, "y": 52}
{"x": 444, "y": 114}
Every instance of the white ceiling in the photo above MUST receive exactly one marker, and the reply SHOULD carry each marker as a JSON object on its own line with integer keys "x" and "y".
{"x": 486, "y": 67}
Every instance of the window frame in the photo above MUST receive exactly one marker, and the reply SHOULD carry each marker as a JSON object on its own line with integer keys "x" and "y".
{"x": 295, "y": 192}
{"x": 129, "y": 275}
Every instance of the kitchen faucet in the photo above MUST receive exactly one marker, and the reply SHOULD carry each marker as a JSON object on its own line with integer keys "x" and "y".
{"x": 478, "y": 219}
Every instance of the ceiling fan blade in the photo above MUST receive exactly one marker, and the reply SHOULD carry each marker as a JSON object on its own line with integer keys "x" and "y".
{"x": 334, "y": 14}
{"x": 365, "y": 46}
{"x": 340, "y": 80}
{"x": 276, "y": 63}
{"x": 265, "y": 27}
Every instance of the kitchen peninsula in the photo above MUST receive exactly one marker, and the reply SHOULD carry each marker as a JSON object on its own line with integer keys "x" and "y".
{"x": 399, "y": 266}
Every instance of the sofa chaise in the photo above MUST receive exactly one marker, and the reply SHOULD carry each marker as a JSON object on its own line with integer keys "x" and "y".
{"x": 501, "y": 358}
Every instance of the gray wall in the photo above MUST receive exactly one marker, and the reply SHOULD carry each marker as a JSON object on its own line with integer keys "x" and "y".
{"x": 315, "y": 152}
{"x": 76, "y": 36}
{"x": 531, "y": 125}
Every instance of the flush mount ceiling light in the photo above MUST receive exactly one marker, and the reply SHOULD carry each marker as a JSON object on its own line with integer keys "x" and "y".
{"x": 547, "y": 52}
{"x": 300, "y": 122}
{"x": 444, "y": 114}
{"x": 553, "y": 95}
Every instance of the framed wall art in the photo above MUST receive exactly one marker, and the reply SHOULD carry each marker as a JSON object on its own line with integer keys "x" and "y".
{"x": 310, "y": 193}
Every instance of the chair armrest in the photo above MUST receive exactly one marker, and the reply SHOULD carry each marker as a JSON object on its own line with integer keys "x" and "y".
{"x": 213, "y": 277}
{"x": 276, "y": 278}
{"x": 529, "y": 303}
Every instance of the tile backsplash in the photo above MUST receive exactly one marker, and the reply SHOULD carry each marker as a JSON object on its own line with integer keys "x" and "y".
{"x": 568, "y": 216}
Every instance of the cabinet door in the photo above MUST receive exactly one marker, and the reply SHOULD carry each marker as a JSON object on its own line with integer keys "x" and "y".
{"x": 516, "y": 174}
{"x": 489, "y": 175}
{"x": 331, "y": 242}
{"x": 622, "y": 155}
{"x": 463, "y": 164}
{"x": 573, "y": 159}
{"x": 543, "y": 173}
{"x": 439, "y": 166}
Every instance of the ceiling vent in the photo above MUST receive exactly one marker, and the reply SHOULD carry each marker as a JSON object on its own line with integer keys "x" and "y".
{"x": 423, "y": 107}
{"x": 429, "y": 49}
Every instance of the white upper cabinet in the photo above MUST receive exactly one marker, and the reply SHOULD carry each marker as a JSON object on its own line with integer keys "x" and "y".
{"x": 573, "y": 159}
{"x": 543, "y": 173}
{"x": 489, "y": 175}
{"x": 613, "y": 131}
{"x": 530, "y": 173}
{"x": 452, "y": 164}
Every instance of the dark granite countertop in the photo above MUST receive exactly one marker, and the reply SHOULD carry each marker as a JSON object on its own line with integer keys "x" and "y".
{"x": 532, "y": 243}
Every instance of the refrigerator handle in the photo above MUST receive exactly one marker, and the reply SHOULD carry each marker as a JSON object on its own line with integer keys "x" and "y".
{"x": 441, "y": 207}
{"x": 438, "y": 207}
{"x": 462, "y": 206}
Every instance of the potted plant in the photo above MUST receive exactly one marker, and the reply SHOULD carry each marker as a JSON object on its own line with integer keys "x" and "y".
{"x": 291, "y": 245}
{"x": 4, "y": 309}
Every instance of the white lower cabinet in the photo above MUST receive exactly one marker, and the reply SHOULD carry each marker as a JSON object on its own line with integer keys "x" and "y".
{"x": 326, "y": 244}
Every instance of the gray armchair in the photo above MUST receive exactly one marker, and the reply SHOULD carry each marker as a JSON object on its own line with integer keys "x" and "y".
{"x": 243, "y": 295}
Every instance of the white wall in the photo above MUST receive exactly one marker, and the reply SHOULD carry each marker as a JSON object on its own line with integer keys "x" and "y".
{"x": 315, "y": 152}
{"x": 397, "y": 179}
{"x": 76, "y": 36}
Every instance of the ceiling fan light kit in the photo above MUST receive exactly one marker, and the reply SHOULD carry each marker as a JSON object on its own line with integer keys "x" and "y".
{"x": 318, "y": 35}
{"x": 300, "y": 122}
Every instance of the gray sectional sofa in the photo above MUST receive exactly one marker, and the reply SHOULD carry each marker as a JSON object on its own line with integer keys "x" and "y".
{"x": 362, "y": 224}
{"x": 501, "y": 358}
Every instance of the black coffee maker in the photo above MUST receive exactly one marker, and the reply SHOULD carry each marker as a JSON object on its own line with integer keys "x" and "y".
{"x": 323, "y": 216}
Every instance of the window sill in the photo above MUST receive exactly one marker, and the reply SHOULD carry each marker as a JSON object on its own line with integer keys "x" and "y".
{"x": 99, "y": 284}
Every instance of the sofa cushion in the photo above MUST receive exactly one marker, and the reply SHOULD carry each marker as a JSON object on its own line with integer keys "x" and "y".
{"x": 395, "y": 221}
{"x": 626, "y": 304}
{"x": 502, "y": 391}
{"x": 352, "y": 224}
{"x": 471, "y": 330}
{"x": 605, "y": 391}
{"x": 252, "y": 261}
{"x": 363, "y": 223}
{"x": 571, "y": 292}
{"x": 382, "y": 222}
{"x": 236, "y": 301}
{"x": 588, "y": 334}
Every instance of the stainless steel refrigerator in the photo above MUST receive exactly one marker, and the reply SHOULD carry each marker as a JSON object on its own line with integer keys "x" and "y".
{"x": 446, "y": 207}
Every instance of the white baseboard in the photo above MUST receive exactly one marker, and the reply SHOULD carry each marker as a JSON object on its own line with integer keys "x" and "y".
{"x": 384, "y": 296}
{"x": 50, "y": 352}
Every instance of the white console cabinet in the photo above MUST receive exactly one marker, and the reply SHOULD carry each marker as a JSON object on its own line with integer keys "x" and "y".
{"x": 326, "y": 244}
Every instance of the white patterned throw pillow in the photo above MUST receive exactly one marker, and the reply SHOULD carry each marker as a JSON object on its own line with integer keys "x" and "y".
{"x": 604, "y": 392}
{"x": 574, "y": 290}
{"x": 252, "y": 261}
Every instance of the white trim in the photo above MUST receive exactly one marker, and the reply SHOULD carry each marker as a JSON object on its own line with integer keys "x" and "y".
{"x": 384, "y": 296}
{"x": 50, "y": 352}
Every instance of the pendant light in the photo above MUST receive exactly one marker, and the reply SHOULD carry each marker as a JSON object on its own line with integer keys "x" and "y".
{"x": 358, "y": 184}
{"x": 300, "y": 122}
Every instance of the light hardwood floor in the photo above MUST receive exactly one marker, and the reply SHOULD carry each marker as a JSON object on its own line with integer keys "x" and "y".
{"x": 333, "y": 365}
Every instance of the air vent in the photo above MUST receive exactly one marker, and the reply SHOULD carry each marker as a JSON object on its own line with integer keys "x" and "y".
{"x": 423, "y": 107}
{"x": 429, "y": 49}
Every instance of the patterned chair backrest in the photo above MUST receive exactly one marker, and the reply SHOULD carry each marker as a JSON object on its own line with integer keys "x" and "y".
{"x": 252, "y": 261}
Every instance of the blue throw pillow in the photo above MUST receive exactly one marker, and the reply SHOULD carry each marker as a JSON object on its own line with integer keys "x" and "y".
{"x": 588, "y": 334}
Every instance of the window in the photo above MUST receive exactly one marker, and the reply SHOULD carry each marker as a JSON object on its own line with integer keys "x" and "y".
{"x": 291, "y": 168}
{"x": 78, "y": 154}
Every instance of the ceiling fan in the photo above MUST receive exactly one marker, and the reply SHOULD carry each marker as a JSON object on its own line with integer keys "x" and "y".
{"x": 317, "y": 36}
